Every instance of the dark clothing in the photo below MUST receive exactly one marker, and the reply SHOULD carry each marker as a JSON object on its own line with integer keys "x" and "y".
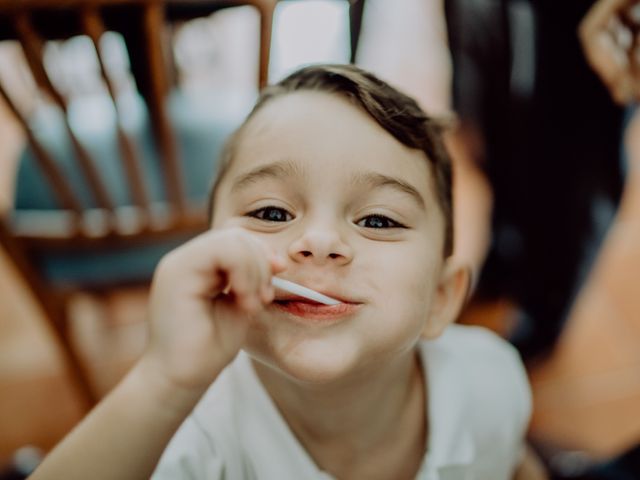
{"x": 552, "y": 139}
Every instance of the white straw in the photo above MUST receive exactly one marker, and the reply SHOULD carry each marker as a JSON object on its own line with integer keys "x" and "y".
{"x": 305, "y": 292}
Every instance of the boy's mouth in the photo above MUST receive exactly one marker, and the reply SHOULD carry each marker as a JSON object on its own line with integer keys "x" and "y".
{"x": 311, "y": 310}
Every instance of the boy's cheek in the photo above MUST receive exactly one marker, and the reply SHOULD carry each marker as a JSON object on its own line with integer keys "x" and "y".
{"x": 393, "y": 286}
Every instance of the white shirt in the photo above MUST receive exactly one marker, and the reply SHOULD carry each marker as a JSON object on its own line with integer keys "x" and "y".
{"x": 478, "y": 408}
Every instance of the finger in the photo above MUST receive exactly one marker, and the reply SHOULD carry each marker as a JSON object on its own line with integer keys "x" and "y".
{"x": 277, "y": 262}
{"x": 603, "y": 38}
{"x": 267, "y": 292}
{"x": 623, "y": 36}
{"x": 608, "y": 60}
{"x": 630, "y": 16}
{"x": 206, "y": 260}
{"x": 266, "y": 266}
{"x": 245, "y": 289}
{"x": 249, "y": 273}
{"x": 599, "y": 16}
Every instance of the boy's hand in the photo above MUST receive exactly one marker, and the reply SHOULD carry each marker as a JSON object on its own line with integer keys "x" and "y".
{"x": 196, "y": 329}
{"x": 609, "y": 37}
{"x": 195, "y": 332}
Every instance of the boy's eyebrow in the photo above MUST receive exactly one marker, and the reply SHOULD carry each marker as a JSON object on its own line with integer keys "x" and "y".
{"x": 279, "y": 169}
{"x": 375, "y": 180}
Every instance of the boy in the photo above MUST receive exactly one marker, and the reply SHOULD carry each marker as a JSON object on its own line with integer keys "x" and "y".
{"x": 338, "y": 182}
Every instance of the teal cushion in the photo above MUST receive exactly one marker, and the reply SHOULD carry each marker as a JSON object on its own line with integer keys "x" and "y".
{"x": 105, "y": 267}
{"x": 202, "y": 125}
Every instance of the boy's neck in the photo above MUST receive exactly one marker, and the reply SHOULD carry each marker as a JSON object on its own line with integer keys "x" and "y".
{"x": 360, "y": 428}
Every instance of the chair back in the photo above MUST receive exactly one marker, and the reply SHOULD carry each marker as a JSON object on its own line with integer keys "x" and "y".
{"x": 91, "y": 214}
{"x": 88, "y": 216}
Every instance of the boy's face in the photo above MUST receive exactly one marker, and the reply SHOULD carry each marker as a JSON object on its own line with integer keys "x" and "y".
{"x": 354, "y": 213}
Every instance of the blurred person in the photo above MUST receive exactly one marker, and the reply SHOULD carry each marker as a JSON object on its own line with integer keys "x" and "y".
{"x": 549, "y": 137}
{"x": 340, "y": 182}
{"x": 610, "y": 41}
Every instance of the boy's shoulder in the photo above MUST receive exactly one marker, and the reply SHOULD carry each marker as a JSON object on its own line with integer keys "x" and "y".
{"x": 487, "y": 371}
{"x": 482, "y": 362}
{"x": 479, "y": 401}
{"x": 468, "y": 341}
{"x": 478, "y": 395}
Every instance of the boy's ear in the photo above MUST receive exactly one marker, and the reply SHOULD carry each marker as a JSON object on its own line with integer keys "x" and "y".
{"x": 449, "y": 298}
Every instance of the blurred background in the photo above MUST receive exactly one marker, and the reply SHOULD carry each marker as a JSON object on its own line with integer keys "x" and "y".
{"x": 111, "y": 118}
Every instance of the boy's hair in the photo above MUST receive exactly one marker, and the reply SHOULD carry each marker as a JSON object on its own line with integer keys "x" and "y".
{"x": 394, "y": 111}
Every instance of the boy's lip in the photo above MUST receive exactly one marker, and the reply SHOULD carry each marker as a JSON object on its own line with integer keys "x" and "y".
{"x": 306, "y": 310}
{"x": 309, "y": 310}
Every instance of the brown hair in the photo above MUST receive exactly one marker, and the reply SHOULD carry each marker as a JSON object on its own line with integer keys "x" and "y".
{"x": 394, "y": 111}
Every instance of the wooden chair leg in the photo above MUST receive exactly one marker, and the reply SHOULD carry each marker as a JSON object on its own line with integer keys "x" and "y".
{"x": 55, "y": 311}
{"x": 79, "y": 373}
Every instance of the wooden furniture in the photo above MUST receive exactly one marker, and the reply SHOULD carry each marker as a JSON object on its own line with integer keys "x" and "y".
{"x": 100, "y": 225}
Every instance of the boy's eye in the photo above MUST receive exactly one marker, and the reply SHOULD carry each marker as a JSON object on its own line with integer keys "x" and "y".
{"x": 271, "y": 214}
{"x": 379, "y": 221}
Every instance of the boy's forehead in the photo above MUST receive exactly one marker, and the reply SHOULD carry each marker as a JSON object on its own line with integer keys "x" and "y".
{"x": 327, "y": 127}
{"x": 306, "y": 108}
{"x": 321, "y": 140}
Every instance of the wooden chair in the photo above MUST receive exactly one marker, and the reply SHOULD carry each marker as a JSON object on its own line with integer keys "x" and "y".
{"x": 84, "y": 223}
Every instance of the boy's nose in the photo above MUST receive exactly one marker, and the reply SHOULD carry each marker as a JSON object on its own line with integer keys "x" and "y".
{"x": 320, "y": 247}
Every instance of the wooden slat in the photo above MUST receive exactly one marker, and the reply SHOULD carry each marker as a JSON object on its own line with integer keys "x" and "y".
{"x": 61, "y": 189}
{"x": 32, "y": 45}
{"x": 153, "y": 23}
{"x": 356, "y": 12}
{"x": 94, "y": 28}
{"x": 16, "y": 5}
{"x": 49, "y": 230}
{"x": 266, "y": 9}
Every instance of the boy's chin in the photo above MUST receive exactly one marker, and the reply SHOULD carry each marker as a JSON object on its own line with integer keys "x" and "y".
{"x": 309, "y": 364}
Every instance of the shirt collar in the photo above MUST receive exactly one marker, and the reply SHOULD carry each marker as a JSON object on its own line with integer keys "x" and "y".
{"x": 450, "y": 450}
{"x": 274, "y": 450}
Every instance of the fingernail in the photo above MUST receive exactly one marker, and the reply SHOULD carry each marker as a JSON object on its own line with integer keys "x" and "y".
{"x": 278, "y": 261}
